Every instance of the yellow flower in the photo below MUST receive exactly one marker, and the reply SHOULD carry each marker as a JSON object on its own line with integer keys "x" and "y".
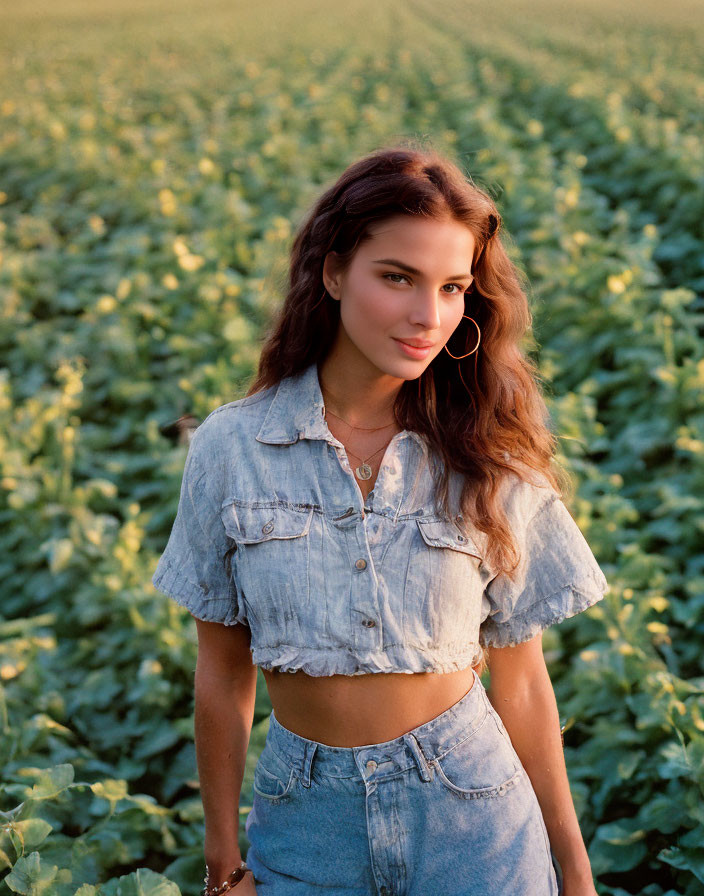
{"x": 123, "y": 288}
{"x": 8, "y": 671}
{"x": 106, "y": 304}
{"x": 167, "y": 201}
{"x": 571, "y": 197}
{"x": 615, "y": 284}
{"x": 96, "y": 224}
{"x": 190, "y": 262}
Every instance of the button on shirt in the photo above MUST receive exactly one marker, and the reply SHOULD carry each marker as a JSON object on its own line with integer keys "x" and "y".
{"x": 272, "y": 531}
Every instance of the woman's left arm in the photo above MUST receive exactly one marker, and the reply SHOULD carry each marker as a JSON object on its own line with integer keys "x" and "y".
{"x": 521, "y": 692}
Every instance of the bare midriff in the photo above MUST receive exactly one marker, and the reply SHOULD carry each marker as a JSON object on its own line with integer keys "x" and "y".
{"x": 356, "y": 710}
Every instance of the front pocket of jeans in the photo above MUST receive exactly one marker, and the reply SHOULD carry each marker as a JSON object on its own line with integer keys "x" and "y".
{"x": 498, "y": 721}
{"x": 273, "y": 777}
{"x": 483, "y": 766}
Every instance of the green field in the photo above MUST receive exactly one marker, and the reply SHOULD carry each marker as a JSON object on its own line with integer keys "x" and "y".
{"x": 155, "y": 161}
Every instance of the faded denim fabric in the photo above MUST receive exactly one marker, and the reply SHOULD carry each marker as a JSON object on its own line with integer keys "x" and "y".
{"x": 446, "y": 808}
{"x": 331, "y": 583}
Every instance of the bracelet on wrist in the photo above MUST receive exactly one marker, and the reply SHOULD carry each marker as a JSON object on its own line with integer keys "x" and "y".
{"x": 234, "y": 878}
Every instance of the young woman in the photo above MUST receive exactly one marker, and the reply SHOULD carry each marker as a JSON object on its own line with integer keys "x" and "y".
{"x": 374, "y": 520}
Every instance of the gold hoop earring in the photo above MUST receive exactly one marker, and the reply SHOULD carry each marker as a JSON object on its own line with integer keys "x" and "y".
{"x": 479, "y": 336}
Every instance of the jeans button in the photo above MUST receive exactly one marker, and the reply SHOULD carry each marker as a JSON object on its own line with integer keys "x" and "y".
{"x": 371, "y": 766}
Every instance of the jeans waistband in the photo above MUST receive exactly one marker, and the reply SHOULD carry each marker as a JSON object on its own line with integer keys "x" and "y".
{"x": 418, "y": 747}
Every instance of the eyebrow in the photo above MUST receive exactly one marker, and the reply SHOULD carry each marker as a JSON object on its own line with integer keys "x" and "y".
{"x": 412, "y": 270}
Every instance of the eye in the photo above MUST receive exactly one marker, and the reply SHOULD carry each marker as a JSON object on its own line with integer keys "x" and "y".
{"x": 402, "y": 276}
{"x": 460, "y": 288}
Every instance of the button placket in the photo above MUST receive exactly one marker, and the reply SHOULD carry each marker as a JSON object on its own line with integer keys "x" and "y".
{"x": 363, "y": 605}
{"x": 361, "y": 563}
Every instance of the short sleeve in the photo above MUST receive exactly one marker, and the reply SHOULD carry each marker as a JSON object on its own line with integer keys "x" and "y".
{"x": 557, "y": 576}
{"x": 192, "y": 569}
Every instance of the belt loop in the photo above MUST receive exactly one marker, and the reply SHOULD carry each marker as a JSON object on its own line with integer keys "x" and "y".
{"x": 308, "y": 754}
{"x": 422, "y": 762}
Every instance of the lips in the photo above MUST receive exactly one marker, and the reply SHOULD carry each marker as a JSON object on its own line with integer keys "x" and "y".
{"x": 416, "y": 343}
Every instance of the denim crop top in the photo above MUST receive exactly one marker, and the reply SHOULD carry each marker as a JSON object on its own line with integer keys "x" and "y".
{"x": 331, "y": 583}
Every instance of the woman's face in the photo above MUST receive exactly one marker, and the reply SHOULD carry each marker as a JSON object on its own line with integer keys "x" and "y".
{"x": 383, "y": 303}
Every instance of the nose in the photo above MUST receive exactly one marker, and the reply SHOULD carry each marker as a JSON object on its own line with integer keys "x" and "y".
{"x": 426, "y": 311}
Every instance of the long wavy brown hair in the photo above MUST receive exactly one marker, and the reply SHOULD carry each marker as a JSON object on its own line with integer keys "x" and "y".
{"x": 485, "y": 416}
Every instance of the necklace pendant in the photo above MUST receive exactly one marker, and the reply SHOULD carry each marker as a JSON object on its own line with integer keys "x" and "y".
{"x": 364, "y": 471}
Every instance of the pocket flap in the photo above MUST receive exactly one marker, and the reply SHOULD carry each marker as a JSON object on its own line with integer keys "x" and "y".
{"x": 446, "y": 534}
{"x": 249, "y": 524}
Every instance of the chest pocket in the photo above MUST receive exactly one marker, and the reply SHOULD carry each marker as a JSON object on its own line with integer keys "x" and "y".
{"x": 271, "y": 565}
{"x": 268, "y": 522}
{"x": 445, "y": 534}
{"x": 444, "y": 586}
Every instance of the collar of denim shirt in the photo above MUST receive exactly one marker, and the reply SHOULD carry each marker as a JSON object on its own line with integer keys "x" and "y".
{"x": 298, "y": 411}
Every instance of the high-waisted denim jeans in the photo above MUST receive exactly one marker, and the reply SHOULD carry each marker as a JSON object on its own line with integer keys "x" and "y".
{"x": 446, "y": 809}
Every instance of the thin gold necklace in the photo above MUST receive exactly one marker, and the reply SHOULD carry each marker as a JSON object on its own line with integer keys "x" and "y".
{"x": 364, "y": 471}
{"x": 361, "y": 428}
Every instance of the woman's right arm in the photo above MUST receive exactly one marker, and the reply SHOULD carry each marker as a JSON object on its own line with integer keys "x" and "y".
{"x": 225, "y": 689}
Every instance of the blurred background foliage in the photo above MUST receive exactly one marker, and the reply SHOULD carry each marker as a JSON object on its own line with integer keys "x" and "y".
{"x": 155, "y": 160}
